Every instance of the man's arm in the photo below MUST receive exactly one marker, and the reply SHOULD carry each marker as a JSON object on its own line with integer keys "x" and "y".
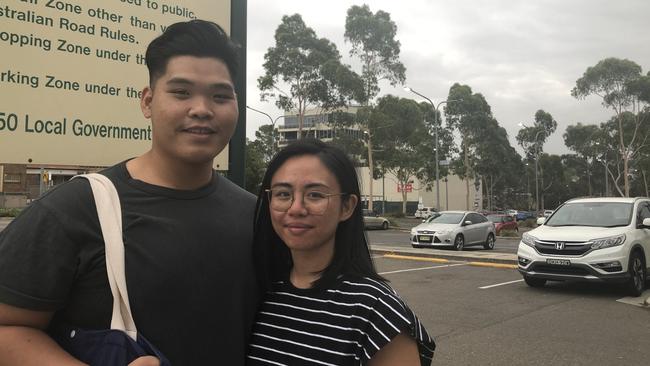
{"x": 24, "y": 342}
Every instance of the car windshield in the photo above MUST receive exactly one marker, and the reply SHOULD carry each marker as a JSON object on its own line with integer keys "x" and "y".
{"x": 495, "y": 218}
{"x": 447, "y": 218}
{"x": 599, "y": 214}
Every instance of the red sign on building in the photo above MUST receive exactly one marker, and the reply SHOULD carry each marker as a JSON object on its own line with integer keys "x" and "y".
{"x": 408, "y": 187}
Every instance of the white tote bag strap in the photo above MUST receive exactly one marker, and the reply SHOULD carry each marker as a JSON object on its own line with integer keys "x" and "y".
{"x": 110, "y": 220}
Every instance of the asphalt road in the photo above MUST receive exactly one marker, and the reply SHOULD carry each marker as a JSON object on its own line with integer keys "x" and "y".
{"x": 488, "y": 316}
{"x": 399, "y": 236}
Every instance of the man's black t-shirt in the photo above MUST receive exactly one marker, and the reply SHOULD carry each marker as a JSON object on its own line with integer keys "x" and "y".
{"x": 188, "y": 264}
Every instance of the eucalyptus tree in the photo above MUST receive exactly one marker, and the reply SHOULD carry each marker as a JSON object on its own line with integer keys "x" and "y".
{"x": 373, "y": 40}
{"x": 311, "y": 69}
{"x": 532, "y": 138}
{"x": 467, "y": 113}
{"x": 495, "y": 160}
{"x": 585, "y": 141}
{"x": 405, "y": 142}
{"x": 622, "y": 87}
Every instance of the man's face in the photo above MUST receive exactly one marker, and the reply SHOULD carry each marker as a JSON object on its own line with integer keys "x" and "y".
{"x": 193, "y": 110}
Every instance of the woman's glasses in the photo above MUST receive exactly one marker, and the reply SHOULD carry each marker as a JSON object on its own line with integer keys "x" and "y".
{"x": 314, "y": 201}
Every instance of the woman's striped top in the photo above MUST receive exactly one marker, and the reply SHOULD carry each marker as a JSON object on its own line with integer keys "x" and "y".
{"x": 343, "y": 324}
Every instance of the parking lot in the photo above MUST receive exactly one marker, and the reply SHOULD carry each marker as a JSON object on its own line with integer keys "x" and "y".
{"x": 486, "y": 315}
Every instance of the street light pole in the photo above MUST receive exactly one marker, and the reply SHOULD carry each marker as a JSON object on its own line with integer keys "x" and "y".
{"x": 273, "y": 121}
{"x": 435, "y": 125}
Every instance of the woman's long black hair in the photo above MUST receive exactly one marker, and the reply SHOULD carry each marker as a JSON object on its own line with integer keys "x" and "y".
{"x": 351, "y": 252}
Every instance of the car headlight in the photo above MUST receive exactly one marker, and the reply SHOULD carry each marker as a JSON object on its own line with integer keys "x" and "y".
{"x": 611, "y": 241}
{"x": 413, "y": 232}
{"x": 528, "y": 239}
{"x": 442, "y": 232}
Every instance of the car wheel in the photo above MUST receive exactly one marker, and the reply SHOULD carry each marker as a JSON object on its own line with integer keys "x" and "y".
{"x": 534, "y": 282}
{"x": 489, "y": 243}
{"x": 384, "y": 225}
{"x": 459, "y": 242}
{"x": 636, "y": 269}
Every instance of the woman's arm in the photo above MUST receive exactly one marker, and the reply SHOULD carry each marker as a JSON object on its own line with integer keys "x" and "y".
{"x": 402, "y": 351}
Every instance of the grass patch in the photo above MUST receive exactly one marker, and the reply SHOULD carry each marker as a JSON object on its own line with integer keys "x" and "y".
{"x": 9, "y": 212}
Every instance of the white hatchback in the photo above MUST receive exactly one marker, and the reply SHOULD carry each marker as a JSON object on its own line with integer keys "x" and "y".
{"x": 457, "y": 229}
{"x": 590, "y": 239}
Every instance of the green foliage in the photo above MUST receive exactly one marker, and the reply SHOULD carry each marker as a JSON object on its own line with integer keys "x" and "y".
{"x": 257, "y": 159}
{"x": 372, "y": 37}
{"x": 609, "y": 79}
{"x": 532, "y": 138}
{"x": 9, "y": 212}
{"x": 401, "y": 138}
{"x": 311, "y": 68}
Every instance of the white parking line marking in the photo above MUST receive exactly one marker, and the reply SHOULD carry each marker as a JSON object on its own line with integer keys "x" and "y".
{"x": 423, "y": 268}
{"x": 501, "y": 284}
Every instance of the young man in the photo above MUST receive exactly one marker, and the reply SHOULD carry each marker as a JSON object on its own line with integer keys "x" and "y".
{"x": 187, "y": 230}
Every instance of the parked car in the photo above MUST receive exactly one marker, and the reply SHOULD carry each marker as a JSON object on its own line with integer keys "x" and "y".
{"x": 590, "y": 239}
{"x": 457, "y": 229}
{"x": 424, "y": 212}
{"x": 503, "y": 222}
{"x": 525, "y": 215}
{"x": 372, "y": 219}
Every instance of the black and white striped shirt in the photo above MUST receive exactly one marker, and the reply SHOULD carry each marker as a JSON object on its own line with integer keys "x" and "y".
{"x": 343, "y": 324}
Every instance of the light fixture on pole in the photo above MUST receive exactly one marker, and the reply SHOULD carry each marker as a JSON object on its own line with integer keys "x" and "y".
{"x": 435, "y": 124}
{"x": 273, "y": 121}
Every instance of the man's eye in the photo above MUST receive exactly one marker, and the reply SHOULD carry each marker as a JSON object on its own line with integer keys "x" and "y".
{"x": 223, "y": 96}
{"x": 180, "y": 92}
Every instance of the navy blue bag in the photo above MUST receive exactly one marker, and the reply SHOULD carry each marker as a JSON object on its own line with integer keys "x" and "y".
{"x": 107, "y": 347}
{"x": 122, "y": 343}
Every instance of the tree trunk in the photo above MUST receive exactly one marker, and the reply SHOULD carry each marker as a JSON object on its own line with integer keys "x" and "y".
{"x": 645, "y": 183}
{"x": 370, "y": 175}
{"x": 466, "y": 162}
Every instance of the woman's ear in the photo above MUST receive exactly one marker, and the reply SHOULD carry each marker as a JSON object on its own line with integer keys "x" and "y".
{"x": 348, "y": 207}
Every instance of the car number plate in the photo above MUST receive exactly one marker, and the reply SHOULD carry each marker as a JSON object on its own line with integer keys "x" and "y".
{"x": 424, "y": 238}
{"x": 559, "y": 262}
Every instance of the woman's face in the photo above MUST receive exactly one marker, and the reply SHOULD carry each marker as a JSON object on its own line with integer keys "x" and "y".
{"x": 309, "y": 221}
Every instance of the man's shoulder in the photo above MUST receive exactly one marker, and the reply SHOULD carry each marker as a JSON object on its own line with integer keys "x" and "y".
{"x": 229, "y": 189}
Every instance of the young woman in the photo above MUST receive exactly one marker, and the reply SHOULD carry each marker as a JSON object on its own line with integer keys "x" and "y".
{"x": 325, "y": 303}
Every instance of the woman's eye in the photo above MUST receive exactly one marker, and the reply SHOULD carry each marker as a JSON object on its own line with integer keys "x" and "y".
{"x": 315, "y": 195}
{"x": 282, "y": 195}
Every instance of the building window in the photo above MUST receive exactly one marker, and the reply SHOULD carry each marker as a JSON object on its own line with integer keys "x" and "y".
{"x": 12, "y": 178}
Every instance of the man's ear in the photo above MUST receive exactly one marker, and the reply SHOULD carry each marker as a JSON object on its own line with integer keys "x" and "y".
{"x": 145, "y": 101}
{"x": 347, "y": 209}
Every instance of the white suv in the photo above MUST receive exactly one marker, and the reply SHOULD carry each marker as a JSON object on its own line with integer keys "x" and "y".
{"x": 590, "y": 239}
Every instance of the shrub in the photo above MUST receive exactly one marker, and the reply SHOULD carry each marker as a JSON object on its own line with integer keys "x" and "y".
{"x": 9, "y": 212}
{"x": 396, "y": 215}
{"x": 529, "y": 223}
{"x": 509, "y": 233}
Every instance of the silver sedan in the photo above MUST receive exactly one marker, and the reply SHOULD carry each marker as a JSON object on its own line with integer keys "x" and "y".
{"x": 457, "y": 229}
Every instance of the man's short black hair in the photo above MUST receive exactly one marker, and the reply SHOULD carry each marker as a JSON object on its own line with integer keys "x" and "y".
{"x": 199, "y": 38}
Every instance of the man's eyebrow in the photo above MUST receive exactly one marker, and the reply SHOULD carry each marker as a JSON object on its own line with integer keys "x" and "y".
{"x": 183, "y": 81}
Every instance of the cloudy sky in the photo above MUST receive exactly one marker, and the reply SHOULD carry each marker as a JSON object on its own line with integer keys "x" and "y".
{"x": 521, "y": 55}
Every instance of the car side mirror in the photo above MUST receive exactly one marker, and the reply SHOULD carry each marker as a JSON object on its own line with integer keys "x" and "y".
{"x": 646, "y": 222}
{"x": 468, "y": 222}
{"x": 540, "y": 221}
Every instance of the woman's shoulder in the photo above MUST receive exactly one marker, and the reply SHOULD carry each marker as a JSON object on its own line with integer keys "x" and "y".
{"x": 367, "y": 287}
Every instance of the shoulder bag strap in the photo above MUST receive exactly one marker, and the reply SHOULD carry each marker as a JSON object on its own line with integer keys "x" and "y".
{"x": 110, "y": 220}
